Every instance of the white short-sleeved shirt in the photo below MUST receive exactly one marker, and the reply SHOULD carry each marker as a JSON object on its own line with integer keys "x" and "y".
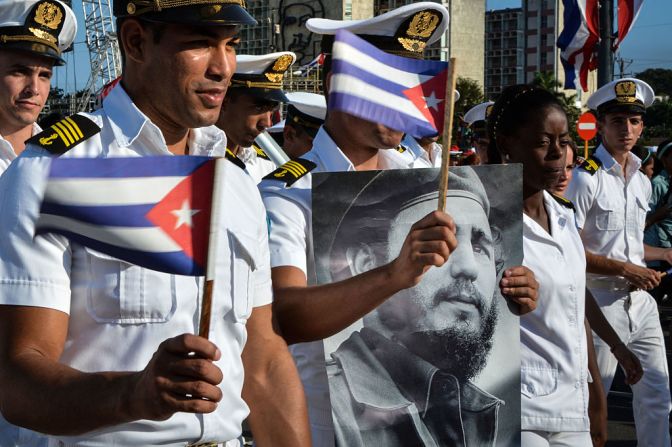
{"x": 289, "y": 212}
{"x": 554, "y": 358}
{"x": 120, "y": 313}
{"x": 7, "y": 154}
{"x": 418, "y": 155}
{"x": 611, "y": 209}
{"x": 255, "y": 165}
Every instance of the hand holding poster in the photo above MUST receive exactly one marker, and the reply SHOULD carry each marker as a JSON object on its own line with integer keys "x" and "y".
{"x": 433, "y": 365}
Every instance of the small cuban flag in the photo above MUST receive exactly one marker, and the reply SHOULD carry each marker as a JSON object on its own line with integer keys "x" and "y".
{"x": 150, "y": 211}
{"x": 401, "y": 93}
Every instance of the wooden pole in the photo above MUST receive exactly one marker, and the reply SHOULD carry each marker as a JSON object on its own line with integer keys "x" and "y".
{"x": 206, "y": 303}
{"x": 447, "y": 132}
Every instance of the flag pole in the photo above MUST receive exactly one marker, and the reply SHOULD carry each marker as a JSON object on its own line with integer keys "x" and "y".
{"x": 447, "y": 132}
{"x": 206, "y": 302}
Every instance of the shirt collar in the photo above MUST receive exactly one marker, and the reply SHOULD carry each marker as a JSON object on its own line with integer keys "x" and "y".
{"x": 333, "y": 159}
{"x": 7, "y": 152}
{"x": 128, "y": 123}
{"x": 413, "y": 146}
{"x": 609, "y": 162}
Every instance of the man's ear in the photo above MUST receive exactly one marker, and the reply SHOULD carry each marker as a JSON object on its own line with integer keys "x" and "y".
{"x": 133, "y": 39}
{"x": 360, "y": 259}
{"x": 600, "y": 125}
{"x": 289, "y": 134}
{"x": 503, "y": 146}
{"x": 327, "y": 84}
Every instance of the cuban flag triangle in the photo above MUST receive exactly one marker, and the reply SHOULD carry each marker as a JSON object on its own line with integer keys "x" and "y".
{"x": 401, "y": 93}
{"x": 578, "y": 41}
{"x": 150, "y": 211}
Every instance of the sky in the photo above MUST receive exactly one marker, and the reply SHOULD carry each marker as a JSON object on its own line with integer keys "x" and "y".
{"x": 648, "y": 45}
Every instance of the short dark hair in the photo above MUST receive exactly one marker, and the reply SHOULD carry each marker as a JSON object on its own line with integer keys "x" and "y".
{"x": 158, "y": 30}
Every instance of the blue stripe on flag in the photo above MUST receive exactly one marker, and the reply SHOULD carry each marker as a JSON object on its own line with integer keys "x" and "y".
{"x": 177, "y": 263}
{"x": 109, "y": 216}
{"x": 572, "y": 20}
{"x": 343, "y": 67}
{"x": 417, "y": 66}
{"x": 392, "y": 118}
{"x": 160, "y": 166}
{"x": 570, "y": 75}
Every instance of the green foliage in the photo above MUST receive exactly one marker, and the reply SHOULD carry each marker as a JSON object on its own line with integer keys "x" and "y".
{"x": 471, "y": 94}
{"x": 547, "y": 81}
{"x": 658, "y": 122}
{"x": 660, "y": 79}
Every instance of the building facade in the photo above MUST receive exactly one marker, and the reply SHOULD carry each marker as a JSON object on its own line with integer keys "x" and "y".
{"x": 504, "y": 50}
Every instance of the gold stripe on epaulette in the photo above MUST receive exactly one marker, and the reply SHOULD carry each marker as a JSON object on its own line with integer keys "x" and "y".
{"x": 71, "y": 139}
{"x": 75, "y": 126}
{"x": 60, "y": 134}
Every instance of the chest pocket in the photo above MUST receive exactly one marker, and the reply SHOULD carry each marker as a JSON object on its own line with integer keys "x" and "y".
{"x": 610, "y": 217}
{"x": 536, "y": 382}
{"x": 244, "y": 258}
{"x": 641, "y": 213}
{"x": 123, "y": 293}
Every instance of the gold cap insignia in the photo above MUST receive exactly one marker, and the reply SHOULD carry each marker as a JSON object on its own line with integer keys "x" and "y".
{"x": 416, "y": 46}
{"x": 283, "y": 63}
{"x": 423, "y": 24}
{"x": 626, "y": 91}
{"x": 130, "y": 8}
{"x": 49, "y": 15}
{"x": 41, "y": 34}
{"x": 210, "y": 10}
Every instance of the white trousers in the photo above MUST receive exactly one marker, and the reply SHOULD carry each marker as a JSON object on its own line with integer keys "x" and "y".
{"x": 534, "y": 438}
{"x": 634, "y": 317}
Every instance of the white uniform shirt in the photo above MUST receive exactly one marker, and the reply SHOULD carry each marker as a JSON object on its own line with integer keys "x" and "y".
{"x": 255, "y": 165}
{"x": 418, "y": 155}
{"x": 7, "y": 153}
{"x": 290, "y": 218}
{"x": 611, "y": 210}
{"x": 120, "y": 313}
{"x": 554, "y": 359}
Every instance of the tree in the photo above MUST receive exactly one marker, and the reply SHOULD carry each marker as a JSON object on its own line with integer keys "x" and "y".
{"x": 660, "y": 79}
{"x": 547, "y": 81}
{"x": 471, "y": 94}
{"x": 658, "y": 122}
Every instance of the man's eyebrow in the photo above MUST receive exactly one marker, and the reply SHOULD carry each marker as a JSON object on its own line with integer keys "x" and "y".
{"x": 481, "y": 234}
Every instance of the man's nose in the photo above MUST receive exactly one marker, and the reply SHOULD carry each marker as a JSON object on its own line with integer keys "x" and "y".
{"x": 222, "y": 64}
{"x": 463, "y": 261}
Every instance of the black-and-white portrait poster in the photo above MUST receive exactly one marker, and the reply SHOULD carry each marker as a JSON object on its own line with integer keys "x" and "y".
{"x": 437, "y": 364}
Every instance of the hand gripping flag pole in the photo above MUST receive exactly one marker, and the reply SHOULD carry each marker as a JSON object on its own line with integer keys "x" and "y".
{"x": 206, "y": 302}
{"x": 447, "y": 132}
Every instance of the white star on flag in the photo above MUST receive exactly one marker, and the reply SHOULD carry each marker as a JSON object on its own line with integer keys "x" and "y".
{"x": 432, "y": 101}
{"x": 184, "y": 215}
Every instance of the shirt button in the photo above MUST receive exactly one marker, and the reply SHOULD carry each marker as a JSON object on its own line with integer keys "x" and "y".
{"x": 577, "y": 385}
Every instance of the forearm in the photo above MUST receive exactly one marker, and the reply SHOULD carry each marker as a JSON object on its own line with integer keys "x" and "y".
{"x": 654, "y": 253}
{"x": 593, "y": 368}
{"x": 602, "y": 265}
{"x": 273, "y": 390}
{"x": 599, "y": 323}
{"x": 46, "y": 396}
{"x": 317, "y": 312}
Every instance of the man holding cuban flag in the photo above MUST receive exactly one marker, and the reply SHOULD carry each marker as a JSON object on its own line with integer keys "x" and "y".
{"x": 98, "y": 316}
{"x": 365, "y": 122}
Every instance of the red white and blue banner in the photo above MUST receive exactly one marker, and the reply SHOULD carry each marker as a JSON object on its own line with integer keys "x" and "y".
{"x": 578, "y": 41}
{"x": 150, "y": 211}
{"x": 401, "y": 93}
{"x": 628, "y": 10}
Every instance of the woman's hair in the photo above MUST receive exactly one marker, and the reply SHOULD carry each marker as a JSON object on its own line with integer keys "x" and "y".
{"x": 514, "y": 109}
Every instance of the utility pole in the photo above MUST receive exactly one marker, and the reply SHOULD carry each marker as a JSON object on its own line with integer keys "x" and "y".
{"x": 622, "y": 65}
{"x": 605, "y": 69}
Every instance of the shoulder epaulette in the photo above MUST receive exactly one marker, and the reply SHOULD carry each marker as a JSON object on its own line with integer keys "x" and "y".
{"x": 233, "y": 159}
{"x": 564, "y": 202}
{"x": 591, "y": 165}
{"x": 291, "y": 171}
{"x": 401, "y": 149}
{"x": 65, "y": 134}
{"x": 260, "y": 152}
